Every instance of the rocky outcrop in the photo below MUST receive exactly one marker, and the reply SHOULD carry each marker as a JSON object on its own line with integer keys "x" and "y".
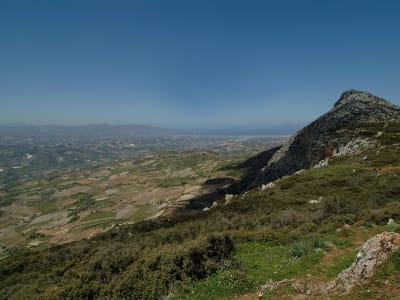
{"x": 329, "y": 134}
{"x": 375, "y": 252}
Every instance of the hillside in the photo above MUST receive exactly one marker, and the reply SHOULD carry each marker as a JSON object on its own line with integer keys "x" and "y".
{"x": 306, "y": 225}
{"x": 342, "y": 128}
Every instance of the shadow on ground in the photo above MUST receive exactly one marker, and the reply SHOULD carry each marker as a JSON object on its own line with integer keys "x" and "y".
{"x": 250, "y": 179}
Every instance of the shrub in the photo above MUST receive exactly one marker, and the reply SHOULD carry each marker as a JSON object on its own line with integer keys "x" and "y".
{"x": 299, "y": 249}
{"x": 395, "y": 259}
{"x": 319, "y": 243}
{"x": 304, "y": 247}
{"x": 307, "y": 228}
{"x": 162, "y": 271}
{"x": 287, "y": 217}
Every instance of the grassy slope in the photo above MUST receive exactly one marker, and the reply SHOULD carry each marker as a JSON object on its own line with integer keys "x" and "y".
{"x": 186, "y": 256}
{"x": 348, "y": 184}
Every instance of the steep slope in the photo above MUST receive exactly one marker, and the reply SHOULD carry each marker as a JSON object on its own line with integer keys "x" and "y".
{"x": 329, "y": 133}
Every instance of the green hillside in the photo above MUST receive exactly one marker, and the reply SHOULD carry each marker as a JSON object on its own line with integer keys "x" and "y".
{"x": 231, "y": 249}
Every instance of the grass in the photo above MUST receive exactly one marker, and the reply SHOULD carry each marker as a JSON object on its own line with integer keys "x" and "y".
{"x": 102, "y": 223}
{"x": 45, "y": 206}
{"x": 340, "y": 263}
{"x": 98, "y": 215}
{"x": 256, "y": 263}
{"x": 223, "y": 285}
{"x": 338, "y": 170}
{"x": 7, "y": 222}
{"x": 263, "y": 262}
{"x": 174, "y": 181}
{"x": 142, "y": 212}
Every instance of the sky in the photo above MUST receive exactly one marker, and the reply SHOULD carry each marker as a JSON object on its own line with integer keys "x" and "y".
{"x": 261, "y": 66}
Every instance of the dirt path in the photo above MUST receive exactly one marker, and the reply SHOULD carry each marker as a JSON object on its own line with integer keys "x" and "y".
{"x": 385, "y": 169}
{"x": 251, "y": 296}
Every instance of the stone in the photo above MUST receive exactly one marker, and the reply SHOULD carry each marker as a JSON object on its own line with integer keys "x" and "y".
{"x": 330, "y": 245}
{"x": 267, "y": 186}
{"x": 322, "y": 163}
{"x": 346, "y": 226}
{"x": 228, "y": 196}
{"x": 390, "y": 221}
{"x": 372, "y": 254}
{"x": 320, "y": 198}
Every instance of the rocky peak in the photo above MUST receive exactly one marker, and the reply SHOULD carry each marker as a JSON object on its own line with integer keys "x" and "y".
{"x": 355, "y": 97}
{"x": 329, "y": 133}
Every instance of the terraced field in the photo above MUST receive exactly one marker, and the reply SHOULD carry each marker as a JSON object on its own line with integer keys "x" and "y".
{"x": 72, "y": 205}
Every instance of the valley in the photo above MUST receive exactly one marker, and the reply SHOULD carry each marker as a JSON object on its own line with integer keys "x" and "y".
{"x": 77, "y": 201}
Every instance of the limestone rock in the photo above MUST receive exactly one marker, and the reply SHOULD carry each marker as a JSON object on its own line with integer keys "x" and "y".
{"x": 267, "y": 186}
{"x": 390, "y": 221}
{"x": 372, "y": 254}
{"x": 228, "y": 197}
{"x": 316, "y": 201}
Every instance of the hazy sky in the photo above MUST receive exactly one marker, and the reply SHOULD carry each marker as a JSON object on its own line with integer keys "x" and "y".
{"x": 193, "y": 64}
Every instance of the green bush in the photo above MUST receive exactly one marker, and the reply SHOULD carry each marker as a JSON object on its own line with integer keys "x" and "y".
{"x": 299, "y": 249}
{"x": 395, "y": 259}
{"x": 305, "y": 247}
{"x": 163, "y": 271}
{"x": 319, "y": 243}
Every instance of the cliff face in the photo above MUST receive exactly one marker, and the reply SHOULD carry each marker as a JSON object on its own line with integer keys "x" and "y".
{"x": 329, "y": 133}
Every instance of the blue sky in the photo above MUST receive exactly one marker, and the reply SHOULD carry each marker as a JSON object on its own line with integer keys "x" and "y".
{"x": 256, "y": 65}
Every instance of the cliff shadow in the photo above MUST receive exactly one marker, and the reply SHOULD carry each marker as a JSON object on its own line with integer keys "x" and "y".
{"x": 220, "y": 186}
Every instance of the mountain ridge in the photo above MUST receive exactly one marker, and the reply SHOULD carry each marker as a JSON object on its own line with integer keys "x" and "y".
{"x": 322, "y": 137}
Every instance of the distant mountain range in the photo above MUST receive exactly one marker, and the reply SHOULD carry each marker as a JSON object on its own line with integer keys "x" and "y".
{"x": 95, "y": 130}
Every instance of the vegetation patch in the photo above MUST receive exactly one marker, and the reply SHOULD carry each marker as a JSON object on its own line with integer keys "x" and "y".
{"x": 255, "y": 264}
{"x": 45, "y": 206}
{"x": 174, "y": 181}
{"x": 97, "y": 215}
